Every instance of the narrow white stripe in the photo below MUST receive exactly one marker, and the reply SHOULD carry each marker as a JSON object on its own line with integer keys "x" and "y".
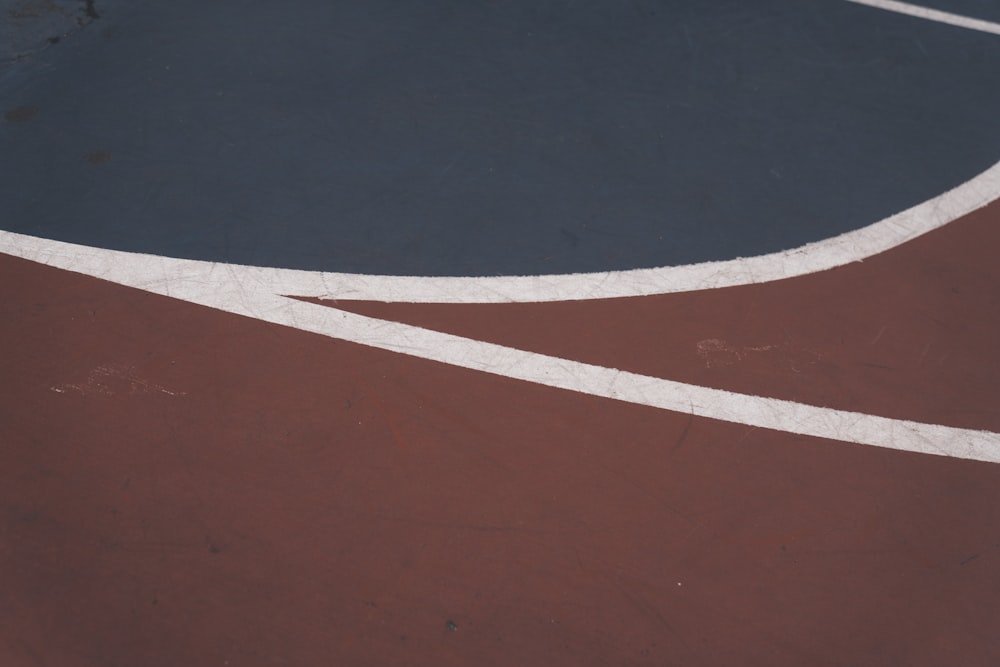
{"x": 932, "y": 15}
{"x": 226, "y": 288}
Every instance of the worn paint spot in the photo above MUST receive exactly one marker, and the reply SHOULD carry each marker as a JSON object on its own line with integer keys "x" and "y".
{"x": 718, "y": 353}
{"x": 21, "y": 114}
{"x": 113, "y": 380}
{"x": 98, "y": 157}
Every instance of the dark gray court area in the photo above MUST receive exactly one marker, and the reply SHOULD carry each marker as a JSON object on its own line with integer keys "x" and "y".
{"x": 484, "y": 138}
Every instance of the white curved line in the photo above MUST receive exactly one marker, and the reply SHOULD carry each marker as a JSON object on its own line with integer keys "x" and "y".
{"x": 827, "y": 254}
{"x": 851, "y": 247}
{"x": 225, "y": 288}
{"x": 810, "y": 258}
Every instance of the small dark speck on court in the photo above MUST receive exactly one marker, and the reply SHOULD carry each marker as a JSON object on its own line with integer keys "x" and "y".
{"x": 98, "y": 157}
{"x": 451, "y": 625}
{"x": 20, "y": 114}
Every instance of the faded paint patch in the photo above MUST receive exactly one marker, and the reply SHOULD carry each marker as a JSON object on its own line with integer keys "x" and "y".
{"x": 98, "y": 157}
{"x": 718, "y": 353}
{"x": 114, "y": 380}
{"x": 21, "y": 114}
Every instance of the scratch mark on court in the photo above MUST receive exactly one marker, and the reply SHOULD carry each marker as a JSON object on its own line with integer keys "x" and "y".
{"x": 649, "y": 610}
{"x": 684, "y": 433}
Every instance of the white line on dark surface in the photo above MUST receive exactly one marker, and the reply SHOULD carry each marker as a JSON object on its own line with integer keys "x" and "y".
{"x": 830, "y": 253}
{"x": 935, "y": 15}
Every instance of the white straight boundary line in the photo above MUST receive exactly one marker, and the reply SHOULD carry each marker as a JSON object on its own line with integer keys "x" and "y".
{"x": 223, "y": 287}
{"x": 935, "y": 15}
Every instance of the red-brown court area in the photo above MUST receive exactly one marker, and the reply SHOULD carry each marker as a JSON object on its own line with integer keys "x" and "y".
{"x": 180, "y": 485}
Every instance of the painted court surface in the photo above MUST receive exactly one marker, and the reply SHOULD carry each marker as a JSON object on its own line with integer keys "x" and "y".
{"x": 500, "y": 333}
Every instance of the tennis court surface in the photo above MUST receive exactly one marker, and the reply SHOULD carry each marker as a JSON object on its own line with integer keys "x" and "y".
{"x": 534, "y": 333}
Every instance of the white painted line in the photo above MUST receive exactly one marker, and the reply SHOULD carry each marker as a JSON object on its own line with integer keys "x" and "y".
{"x": 932, "y": 15}
{"x": 257, "y": 292}
{"x": 228, "y": 288}
{"x": 820, "y": 256}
